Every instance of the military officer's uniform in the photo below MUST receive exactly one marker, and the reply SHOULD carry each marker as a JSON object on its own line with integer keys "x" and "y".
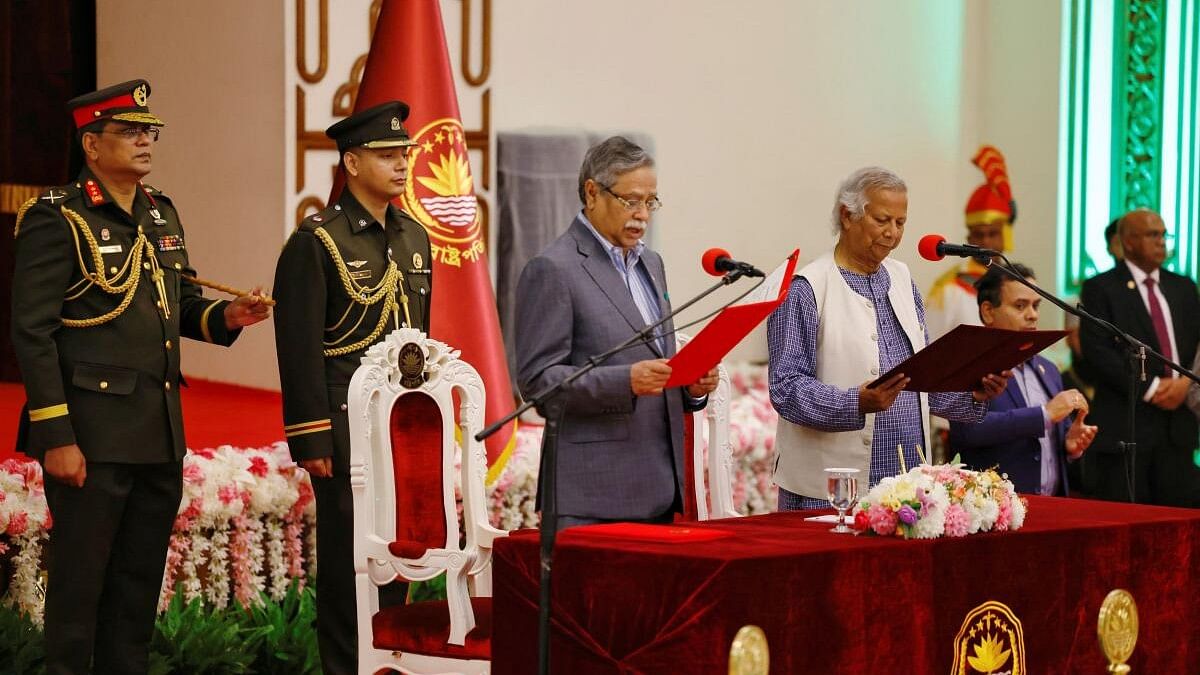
{"x": 342, "y": 283}
{"x": 100, "y": 301}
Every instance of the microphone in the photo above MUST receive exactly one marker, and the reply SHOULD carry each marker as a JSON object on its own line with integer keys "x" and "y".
{"x": 934, "y": 247}
{"x": 716, "y": 261}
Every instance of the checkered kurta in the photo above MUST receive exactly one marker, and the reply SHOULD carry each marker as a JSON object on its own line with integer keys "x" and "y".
{"x": 802, "y": 399}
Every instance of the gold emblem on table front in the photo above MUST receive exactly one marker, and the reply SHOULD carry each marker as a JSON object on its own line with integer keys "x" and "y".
{"x": 1118, "y": 629}
{"x": 990, "y": 641}
{"x": 748, "y": 655}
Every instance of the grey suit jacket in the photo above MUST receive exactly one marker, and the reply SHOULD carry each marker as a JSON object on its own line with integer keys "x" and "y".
{"x": 620, "y": 456}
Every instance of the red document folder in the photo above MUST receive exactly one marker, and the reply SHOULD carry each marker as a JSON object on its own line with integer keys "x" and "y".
{"x": 661, "y": 534}
{"x": 704, "y": 351}
{"x": 958, "y": 360}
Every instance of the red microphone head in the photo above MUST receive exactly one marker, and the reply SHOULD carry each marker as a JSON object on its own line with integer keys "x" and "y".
{"x": 709, "y": 261}
{"x": 928, "y": 247}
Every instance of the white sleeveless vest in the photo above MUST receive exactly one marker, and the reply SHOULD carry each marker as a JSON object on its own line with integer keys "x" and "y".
{"x": 847, "y": 356}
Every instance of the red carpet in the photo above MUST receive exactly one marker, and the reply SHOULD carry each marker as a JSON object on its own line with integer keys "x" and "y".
{"x": 213, "y": 414}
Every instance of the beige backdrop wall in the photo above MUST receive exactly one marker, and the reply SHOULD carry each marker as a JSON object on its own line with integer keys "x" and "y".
{"x": 757, "y": 109}
{"x": 215, "y": 70}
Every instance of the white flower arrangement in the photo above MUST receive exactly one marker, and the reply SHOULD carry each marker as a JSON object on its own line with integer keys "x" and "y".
{"x": 240, "y": 526}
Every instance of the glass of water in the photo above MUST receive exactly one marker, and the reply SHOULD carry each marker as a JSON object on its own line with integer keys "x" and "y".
{"x": 842, "y": 484}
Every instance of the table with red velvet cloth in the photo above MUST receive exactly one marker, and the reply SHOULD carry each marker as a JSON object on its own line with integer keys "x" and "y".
{"x": 854, "y": 604}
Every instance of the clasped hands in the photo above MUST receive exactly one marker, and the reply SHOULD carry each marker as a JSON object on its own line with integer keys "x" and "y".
{"x": 1171, "y": 392}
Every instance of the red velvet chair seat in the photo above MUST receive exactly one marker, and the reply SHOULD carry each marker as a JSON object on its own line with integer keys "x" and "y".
{"x": 422, "y": 628}
{"x": 406, "y": 548}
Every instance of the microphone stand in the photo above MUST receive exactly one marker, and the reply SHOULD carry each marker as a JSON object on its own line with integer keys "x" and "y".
{"x": 1136, "y": 350}
{"x": 553, "y": 406}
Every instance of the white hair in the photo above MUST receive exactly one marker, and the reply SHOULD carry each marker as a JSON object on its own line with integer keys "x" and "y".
{"x": 852, "y": 193}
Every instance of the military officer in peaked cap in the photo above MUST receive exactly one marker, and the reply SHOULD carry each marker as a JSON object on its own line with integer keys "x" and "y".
{"x": 347, "y": 276}
{"x": 101, "y": 297}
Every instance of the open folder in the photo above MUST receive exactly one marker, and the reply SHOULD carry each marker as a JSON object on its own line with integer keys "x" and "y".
{"x": 705, "y": 351}
{"x": 958, "y": 360}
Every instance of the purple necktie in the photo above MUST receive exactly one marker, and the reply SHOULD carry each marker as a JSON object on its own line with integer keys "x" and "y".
{"x": 1160, "y": 323}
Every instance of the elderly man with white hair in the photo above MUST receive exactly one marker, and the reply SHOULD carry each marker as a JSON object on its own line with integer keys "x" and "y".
{"x": 850, "y": 315}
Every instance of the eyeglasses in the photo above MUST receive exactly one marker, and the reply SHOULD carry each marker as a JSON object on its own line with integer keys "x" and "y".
{"x": 132, "y": 134}
{"x": 652, "y": 204}
{"x": 1157, "y": 236}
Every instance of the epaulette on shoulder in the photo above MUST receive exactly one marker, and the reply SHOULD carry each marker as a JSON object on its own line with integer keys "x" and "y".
{"x": 318, "y": 219}
{"x": 52, "y": 197}
{"x": 155, "y": 192}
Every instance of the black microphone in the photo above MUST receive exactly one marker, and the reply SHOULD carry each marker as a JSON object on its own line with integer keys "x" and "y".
{"x": 716, "y": 261}
{"x": 934, "y": 247}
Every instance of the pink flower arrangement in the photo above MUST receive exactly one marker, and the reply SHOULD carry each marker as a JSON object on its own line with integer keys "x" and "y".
{"x": 940, "y": 500}
{"x": 24, "y": 523}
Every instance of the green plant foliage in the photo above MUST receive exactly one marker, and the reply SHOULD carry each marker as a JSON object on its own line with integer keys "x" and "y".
{"x": 290, "y": 645}
{"x": 22, "y": 649}
{"x": 422, "y": 591}
{"x": 192, "y": 639}
{"x": 272, "y": 638}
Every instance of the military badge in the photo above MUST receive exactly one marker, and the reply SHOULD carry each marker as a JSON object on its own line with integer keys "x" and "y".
{"x": 361, "y": 274}
{"x": 418, "y": 261}
{"x": 395, "y": 124}
{"x": 356, "y": 263}
{"x": 55, "y": 195}
{"x": 105, "y": 235}
{"x": 170, "y": 242}
{"x": 411, "y": 361}
{"x": 158, "y": 219}
{"x": 114, "y": 248}
{"x": 139, "y": 95}
{"x": 990, "y": 640}
{"x": 317, "y": 219}
{"x": 93, "y": 192}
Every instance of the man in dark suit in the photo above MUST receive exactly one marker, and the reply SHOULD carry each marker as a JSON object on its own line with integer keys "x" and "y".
{"x": 1026, "y": 432}
{"x": 347, "y": 276}
{"x": 101, "y": 296}
{"x": 620, "y": 451}
{"x": 1161, "y": 309}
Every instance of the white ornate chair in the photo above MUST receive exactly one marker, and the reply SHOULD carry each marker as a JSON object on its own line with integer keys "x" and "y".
{"x": 406, "y": 525}
{"x": 713, "y": 499}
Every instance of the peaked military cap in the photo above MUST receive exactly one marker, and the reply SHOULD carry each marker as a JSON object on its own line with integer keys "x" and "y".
{"x": 125, "y": 102}
{"x": 380, "y": 126}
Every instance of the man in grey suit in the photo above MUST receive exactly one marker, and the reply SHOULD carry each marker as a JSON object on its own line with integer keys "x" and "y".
{"x": 620, "y": 448}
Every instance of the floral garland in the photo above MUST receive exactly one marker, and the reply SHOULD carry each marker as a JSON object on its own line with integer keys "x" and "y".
{"x": 24, "y": 521}
{"x": 932, "y": 501}
{"x": 241, "y": 526}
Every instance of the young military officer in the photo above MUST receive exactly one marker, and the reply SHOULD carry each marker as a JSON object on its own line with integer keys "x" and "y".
{"x": 100, "y": 300}
{"x": 347, "y": 276}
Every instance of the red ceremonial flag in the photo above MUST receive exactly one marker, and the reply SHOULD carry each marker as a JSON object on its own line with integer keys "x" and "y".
{"x": 408, "y": 61}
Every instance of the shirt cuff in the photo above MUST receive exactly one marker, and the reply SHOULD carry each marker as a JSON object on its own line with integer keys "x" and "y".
{"x": 1150, "y": 390}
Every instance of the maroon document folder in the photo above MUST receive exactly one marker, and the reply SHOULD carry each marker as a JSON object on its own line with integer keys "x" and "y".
{"x": 958, "y": 360}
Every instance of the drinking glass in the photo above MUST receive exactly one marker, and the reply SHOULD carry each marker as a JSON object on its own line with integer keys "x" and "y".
{"x": 842, "y": 485}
